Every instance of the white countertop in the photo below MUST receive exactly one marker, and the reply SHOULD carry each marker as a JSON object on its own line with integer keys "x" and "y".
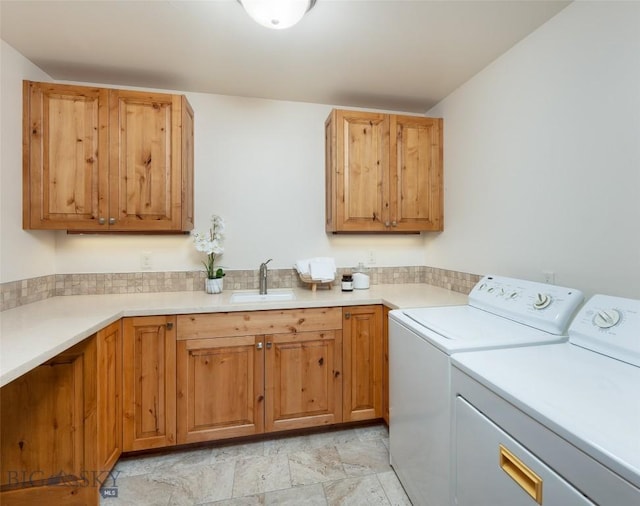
{"x": 32, "y": 334}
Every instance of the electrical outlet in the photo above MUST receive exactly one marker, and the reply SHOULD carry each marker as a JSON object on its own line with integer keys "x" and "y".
{"x": 549, "y": 277}
{"x": 145, "y": 261}
{"x": 371, "y": 257}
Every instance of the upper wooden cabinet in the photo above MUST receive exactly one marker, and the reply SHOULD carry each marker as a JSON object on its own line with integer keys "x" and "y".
{"x": 99, "y": 159}
{"x": 383, "y": 172}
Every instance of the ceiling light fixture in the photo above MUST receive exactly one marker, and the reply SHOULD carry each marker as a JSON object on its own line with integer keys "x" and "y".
{"x": 277, "y": 14}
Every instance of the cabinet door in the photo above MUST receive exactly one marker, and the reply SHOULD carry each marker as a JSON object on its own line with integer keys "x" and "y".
{"x": 362, "y": 357}
{"x": 303, "y": 380}
{"x": 145, "y": 161}
{"x": 220, "y": 388}
{"x": 361, "y": 171}
{"x": 65, "y": 156}
{"x": 385, "y": 364}
{"x": 109, "y": 391}
{"x": 149, "y": 386}
{"x": 48, "y": 424}
{"x": 416, "y": 195}
{"x": 187, "y": 152}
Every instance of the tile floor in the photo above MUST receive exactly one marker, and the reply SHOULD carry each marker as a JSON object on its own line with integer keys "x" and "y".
{"x": 342, "y": 467}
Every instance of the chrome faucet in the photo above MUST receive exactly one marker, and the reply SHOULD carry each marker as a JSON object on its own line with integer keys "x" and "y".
{"x": 263, "y": 277}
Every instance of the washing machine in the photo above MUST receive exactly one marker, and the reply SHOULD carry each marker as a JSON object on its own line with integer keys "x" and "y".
{"x": 501, "y": 312}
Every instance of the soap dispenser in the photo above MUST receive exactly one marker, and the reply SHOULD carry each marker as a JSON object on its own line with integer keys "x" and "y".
{"x": 360, "y": 278}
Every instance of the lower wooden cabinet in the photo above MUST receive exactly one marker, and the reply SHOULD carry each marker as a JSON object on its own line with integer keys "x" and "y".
{"x": 303, "y": 380}
{"x": 142, "y": 383}
{"x": 149, "y": 382}
{"x": 61, "y": 425}
{"x": 220, "y": 388}
{"x": 385, "y": 364}
{"x": 109, "y": 388}
{"x": 235, "y": 380}
{"x": 362, "y": 362}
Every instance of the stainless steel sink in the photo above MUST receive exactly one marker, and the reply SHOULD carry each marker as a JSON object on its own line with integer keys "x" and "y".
{"x": 255, "y": 296}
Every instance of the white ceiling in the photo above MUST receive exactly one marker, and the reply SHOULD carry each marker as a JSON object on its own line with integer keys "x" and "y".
{"x": 403, "y": 55}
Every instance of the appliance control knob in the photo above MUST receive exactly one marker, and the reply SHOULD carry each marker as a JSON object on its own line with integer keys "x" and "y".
{"x": 542, "y": 301}
{"x": 607, "y": 318}
{"x": 513, "y": 295}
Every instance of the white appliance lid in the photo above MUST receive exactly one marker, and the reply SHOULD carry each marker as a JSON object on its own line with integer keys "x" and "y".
{"x": 588, "y": 399}
{"x": 456, "y": 328}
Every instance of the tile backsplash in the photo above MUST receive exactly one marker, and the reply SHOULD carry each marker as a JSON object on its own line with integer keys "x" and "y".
{"x": 26, "y": 291}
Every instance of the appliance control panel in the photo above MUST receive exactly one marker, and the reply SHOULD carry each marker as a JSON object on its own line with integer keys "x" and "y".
{"x": 539, "y": 305}
{"x": 609, "y": 325}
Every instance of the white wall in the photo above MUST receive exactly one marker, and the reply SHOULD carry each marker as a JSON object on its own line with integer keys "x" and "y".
{"x": 542, "y": 172}
{"x": 258, "y": 163}
{"x": 22, "y": 254}
{"x": 542, "y": 156}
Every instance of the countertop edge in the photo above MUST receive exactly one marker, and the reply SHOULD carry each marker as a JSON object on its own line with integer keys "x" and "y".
{"x": 49, "y": 353}
{"x": 37, "y": 332}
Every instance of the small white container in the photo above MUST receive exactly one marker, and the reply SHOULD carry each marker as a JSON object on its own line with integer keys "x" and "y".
{"x": 360, "y": 281}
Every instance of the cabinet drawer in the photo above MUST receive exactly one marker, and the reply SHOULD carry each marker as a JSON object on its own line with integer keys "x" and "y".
{"x": 493, "y": 469}
{"x": 243, "y": 323}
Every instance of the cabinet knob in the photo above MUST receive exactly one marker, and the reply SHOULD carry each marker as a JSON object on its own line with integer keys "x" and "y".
{"x": 112, "y": 221}
{"x": 101, "y": 221}
{"x": 259, "y": 346}
{"x": 394, "y": 223}
{"x": 347, "y": 316}
{"x": 170, "y": 326}
{"x": 269, "y": 345}
{"x": 386, "y": 223}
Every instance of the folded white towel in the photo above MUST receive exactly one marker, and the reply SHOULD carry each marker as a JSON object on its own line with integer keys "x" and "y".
{"x": 322, "y": 269}
{"x": 302, "y": 266}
